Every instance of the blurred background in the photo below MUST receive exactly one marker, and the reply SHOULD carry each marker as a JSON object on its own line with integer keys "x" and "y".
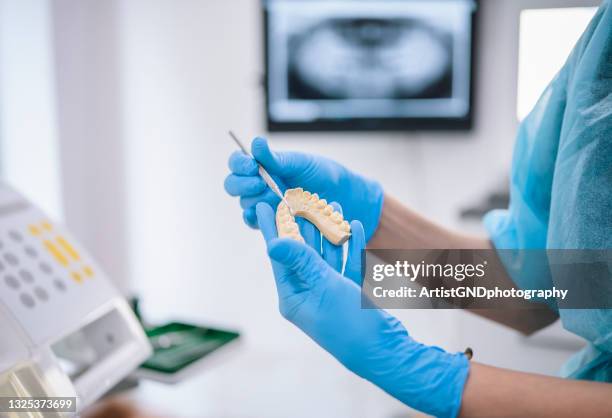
{"x": 114, "y": 118}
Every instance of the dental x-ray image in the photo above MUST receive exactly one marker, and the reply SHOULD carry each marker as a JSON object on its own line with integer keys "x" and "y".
{"x": 357, "y": 64}
{"x": 366, "y": 58}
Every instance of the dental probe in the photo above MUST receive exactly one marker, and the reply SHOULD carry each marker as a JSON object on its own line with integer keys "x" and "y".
{"x": 262, "y": 172}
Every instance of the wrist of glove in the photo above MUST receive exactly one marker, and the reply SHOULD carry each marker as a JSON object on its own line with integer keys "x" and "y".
{"x": 324, "y": 300}
{"x": 370, "y": 196}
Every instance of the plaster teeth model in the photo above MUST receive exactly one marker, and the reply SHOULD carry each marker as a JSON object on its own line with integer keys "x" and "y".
{"x": 286, "y": 225}
{"x": 317, "y": 211}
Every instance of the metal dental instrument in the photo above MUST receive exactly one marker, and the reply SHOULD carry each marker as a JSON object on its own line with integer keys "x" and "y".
{"x": 262, "y": 172}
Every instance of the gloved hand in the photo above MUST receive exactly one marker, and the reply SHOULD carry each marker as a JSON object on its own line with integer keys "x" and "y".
{"x": 361, "y": 198}
{"x": 327, "y": 306}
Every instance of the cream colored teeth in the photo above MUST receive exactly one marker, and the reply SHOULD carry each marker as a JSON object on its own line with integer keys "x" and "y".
{"x": 286, "y": 225}
{"x": 308, "y": 206}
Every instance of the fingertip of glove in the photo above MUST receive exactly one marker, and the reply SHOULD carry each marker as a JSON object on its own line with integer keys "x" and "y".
{"x": 258, "y": 145}
{"x": 357, "y": 230}
{"x": 283, "y": 250}
{"x": 241, "y": 164}
{"x": 227, "y": 184}
{"x": 378, "y": 201}
{"x": 250, "y": 218}
{"x": 262, "y": 208}
{"x": 263, "y": 154}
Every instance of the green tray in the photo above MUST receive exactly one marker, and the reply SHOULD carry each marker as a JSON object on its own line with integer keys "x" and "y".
{"x": 177, "y": 345}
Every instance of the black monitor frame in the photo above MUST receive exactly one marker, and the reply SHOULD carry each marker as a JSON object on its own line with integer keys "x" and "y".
{"x": 373, "y": 124}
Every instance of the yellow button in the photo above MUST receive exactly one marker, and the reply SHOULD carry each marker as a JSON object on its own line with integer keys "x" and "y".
{"x": 88, "y": 271}
{"x": 34, "y": 230}
{"x": 56, "y": 253}
{"x": 76, "y": 276}
{"x": 68, "y": 248}
{"x": 46, "y": 226}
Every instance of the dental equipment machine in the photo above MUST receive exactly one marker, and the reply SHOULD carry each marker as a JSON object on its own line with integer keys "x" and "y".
{"x": 65, "y": 330}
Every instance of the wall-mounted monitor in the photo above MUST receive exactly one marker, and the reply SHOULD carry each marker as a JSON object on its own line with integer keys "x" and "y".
{"x": 368, "y": 64}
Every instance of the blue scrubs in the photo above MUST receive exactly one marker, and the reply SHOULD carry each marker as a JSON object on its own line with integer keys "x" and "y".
{"x": 561, "y": 183}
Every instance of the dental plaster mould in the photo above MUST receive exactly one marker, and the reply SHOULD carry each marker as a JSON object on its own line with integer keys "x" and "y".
{"x": 308, "y": 206}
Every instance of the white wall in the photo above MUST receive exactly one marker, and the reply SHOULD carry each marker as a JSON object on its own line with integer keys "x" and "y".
{"x": 155, "y": 88}
{"x": 89, "y": 117}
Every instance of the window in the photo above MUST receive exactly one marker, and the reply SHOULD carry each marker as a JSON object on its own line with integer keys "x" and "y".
{"x": 547, "y": 37}
{"x": 29, "y": 155}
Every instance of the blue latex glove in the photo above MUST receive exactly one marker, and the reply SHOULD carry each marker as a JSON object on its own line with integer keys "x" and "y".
{"x": 361, "y": 198}
{"x": 326, "y": 305}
